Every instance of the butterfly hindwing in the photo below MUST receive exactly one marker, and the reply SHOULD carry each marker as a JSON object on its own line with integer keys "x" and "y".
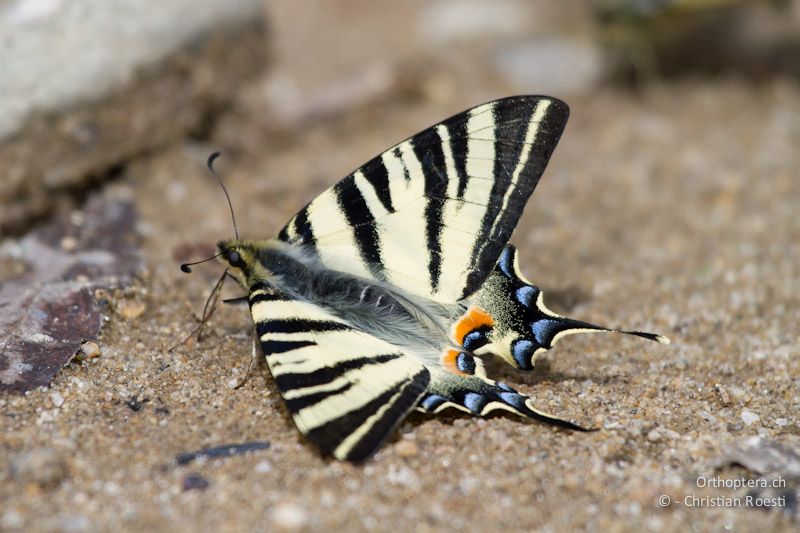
{"x": 346, "y": 389}
{"x": 480, "y": 396}
{"x": 508, "y": 318}
{"x": 432, "y": 214}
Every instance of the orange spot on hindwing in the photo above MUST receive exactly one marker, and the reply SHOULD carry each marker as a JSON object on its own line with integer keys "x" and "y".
{"x": 474, "y": 319}
{"x": 458, "y": 362}
{"x": 449, "y": 358}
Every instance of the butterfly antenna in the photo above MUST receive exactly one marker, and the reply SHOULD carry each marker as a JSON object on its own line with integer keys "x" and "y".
{"x": 185, "y": 267}
{"x": 210, "y": 164}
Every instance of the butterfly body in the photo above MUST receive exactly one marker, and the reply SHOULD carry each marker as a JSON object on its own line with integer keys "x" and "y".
{"x": 369, "y": 305}
{"x": 386, "y": 293}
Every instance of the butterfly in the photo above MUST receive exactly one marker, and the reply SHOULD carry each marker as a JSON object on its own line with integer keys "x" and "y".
{"x": 388, "y": 291}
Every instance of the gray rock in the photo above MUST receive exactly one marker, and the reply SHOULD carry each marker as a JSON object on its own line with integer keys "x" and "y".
{"x": 47, "y": 312}
{"x": 88, "y": 84}
{"x": 58, "y": 52}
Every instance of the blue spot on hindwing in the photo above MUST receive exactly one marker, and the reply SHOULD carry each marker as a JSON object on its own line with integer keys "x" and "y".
{"x": 505, "y": 387}
{"x": 544, "y": 330}
{"x": 513, "y": 399}
{"x": 475, "y": 339}
{"x": 432, "y": 401}
{"x": 474, "y": 402}
{"x": 465, "y": 363}
{"x": 526, "y": 295}
{"x": 522, "y": 351}
{"x": 506, "y": 261}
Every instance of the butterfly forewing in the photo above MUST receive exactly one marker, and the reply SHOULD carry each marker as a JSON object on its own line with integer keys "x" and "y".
{"x": 432, "y": 214}
{"x": 346, "y": 389}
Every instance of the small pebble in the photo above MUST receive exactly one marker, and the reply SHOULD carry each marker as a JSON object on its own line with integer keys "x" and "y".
{"x": 723, "y": 394}
{"x": 707, "y": 416}
{"x": 89, "y": 350}
{"x": 76, "y": 218}
{"x": 737, "y": 392}
{"x": 406, "y": 448}
{"x": 263, "y": 467}
{"x": 781, "y": 422}
{"x": 41, "y": 466}
{"x": 288, "y": 516}
{"x": 670, "y": 434}
{"x": 134, "y": 404}
{"x": 130, "y": 309}
{"x": 654, "y": 435}
{"x": 194, "y": 481}
{"x": 56, "y": 399}
{"x": 749, "y": 417}
{"x": 402, "y": 476}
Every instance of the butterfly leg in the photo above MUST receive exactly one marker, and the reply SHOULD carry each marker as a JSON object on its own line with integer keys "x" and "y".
{"x": 257, "y": 361}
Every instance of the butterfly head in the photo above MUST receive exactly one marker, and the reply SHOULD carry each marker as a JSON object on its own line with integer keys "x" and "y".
{"x": 239, "y": 257}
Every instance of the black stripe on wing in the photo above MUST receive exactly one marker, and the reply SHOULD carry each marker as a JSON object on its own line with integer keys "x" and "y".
{"x": 272, "y": 347}
{"x": 298, "y": 325}
{"x": 378, "y": 176}
{"x": 379, "y": 160}
{"x": 428, "y": 150}
{"x": 503, "y": 168}
{"x": 459, "y": 143}
{"x": 509, "y": 136}
{"x": 299, "y": 229}
{"x": 378, "y": 418}
{"x": 301, "y": 402}
{"x": 360, "y": 219}
{"x": 324, "y": 375}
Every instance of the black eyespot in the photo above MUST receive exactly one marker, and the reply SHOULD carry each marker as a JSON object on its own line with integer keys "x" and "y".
{"x": 234, "y": 259}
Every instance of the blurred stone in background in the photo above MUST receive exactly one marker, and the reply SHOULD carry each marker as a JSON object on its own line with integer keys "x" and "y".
{"x": 88, "y": 84}
{"x": 646, "y": 38}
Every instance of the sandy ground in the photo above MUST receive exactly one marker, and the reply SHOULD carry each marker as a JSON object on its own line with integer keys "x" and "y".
{"x": 674, "y": 210}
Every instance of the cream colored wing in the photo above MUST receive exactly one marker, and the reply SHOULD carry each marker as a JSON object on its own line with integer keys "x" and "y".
{"x": 432, "y": 214}
{"x": 346, "y": 390}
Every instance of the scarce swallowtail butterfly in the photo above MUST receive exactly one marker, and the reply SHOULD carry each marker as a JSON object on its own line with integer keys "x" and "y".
{"x": 386, "y": 293}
